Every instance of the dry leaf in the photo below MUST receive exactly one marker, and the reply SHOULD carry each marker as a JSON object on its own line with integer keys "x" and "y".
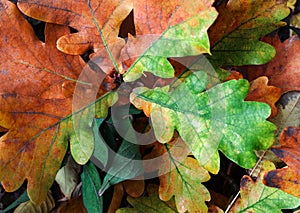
{"x": 73, "y": 205}
{"x": 116, "y": 198}
{"x": 261, "y": 92}
{"x": 287, "y": 179}
{"x": 108, "y": 15}
{"x": 33, "y": 108}
{"x": 45, "y": 206}
{"x": 256, "y": 197}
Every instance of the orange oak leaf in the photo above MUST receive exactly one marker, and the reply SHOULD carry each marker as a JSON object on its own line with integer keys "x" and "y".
{"x": 181, "y": 25}
{"x": 283, "y": 71}
{"x": 261, "y": 92}
{"x": 184, "y": 183}
{"x": 180, "y": 176}
{"x": 33, "y": 108}
{"x": 84, "y": 16}
{"x": 134, "y": 188}
{"x": 241, "y": 14}
{"x": 287, "y": 179}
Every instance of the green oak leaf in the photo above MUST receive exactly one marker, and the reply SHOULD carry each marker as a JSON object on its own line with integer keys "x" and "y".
{"x": 208, "y": 121}
{"x": 186, "y": 38}
{"x": 235, "y": 35}
{"x": 258, "y": 198}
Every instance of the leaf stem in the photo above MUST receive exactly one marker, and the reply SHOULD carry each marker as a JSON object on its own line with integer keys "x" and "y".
{"x": 232, "y": 202}
{"x": 251, "y": 173}
{"x": 102, "y": 37}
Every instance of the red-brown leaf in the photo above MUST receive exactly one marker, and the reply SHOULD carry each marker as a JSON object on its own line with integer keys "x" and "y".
{"x": 261, "y": 92}
{"x": 287, "y": 179}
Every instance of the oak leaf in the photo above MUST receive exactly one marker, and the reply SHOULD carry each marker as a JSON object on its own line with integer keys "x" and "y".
{"x": 256, "y": 197}
{"x": 261, "y": 92}
{"x": 134, "y": 188}
{"x": 166, "y": 29}
{"x": 73, "y": 205}
{"x": 29, "y": 206}
{"x": 180, "y": 176}
{"x": 33, "y": 108}
{"x": 116, "y": 198}
{"x": 181, "y": 25}
{"x": 283, "y": 69}
{"x": 151, "y": 203}
{"x": 287, "y": 179}
{"x": 84, "y": 16}
{"x": 217, "y": 119}
{"x": 185, "y": 184}
{"x": 235, "y": 34}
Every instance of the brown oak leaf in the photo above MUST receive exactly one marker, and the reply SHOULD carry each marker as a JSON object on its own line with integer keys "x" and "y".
{"x": 287, "y": 179}
{"x": 33, "y": 108}
{"x": 73, "y": 205}
{"x": 157, "y": 23}
{"x": 81, "y": 16}
{"x": 261, "y": 92}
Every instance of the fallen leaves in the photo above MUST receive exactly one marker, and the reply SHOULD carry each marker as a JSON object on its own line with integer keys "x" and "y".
{"x": 84, "y": 16}
{"x": 287, "y": 179}
{"x": 166, "y": 29}
{"x": 159, "y": 25}
{"x": 256, "y": 197}
{"x": 283, "y": 69}
{"x": 25, "y": 113}
{"x": 152, "y": 203}
{"x": 288, "y": 112}
{"x": 47, "y": 100}
{"x": 261, "y": 92}
{"x": 235, "y": 35}
{"x": 34, "y": 109}
{"x": 192, "y": 113}
{"x": 185, "y": 184}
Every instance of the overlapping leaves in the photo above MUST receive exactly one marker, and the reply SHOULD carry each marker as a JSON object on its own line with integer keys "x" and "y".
{"x": 217, "y": 119}
{"x": 256, "y": 197}
{"x": 163, "y": 29}
{"x": 287, "y": 179}
{"x": 35, "y": 108}
{"x": 36, "y": 98}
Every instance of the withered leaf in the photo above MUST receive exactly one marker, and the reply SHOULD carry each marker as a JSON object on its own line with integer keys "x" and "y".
{"x": 33, "y": 107}
{"x": 256, "y": 197}
{"x": 261, "y": 92}
{"x": 82, "y": 17}
{"x": 287, "y": 179}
